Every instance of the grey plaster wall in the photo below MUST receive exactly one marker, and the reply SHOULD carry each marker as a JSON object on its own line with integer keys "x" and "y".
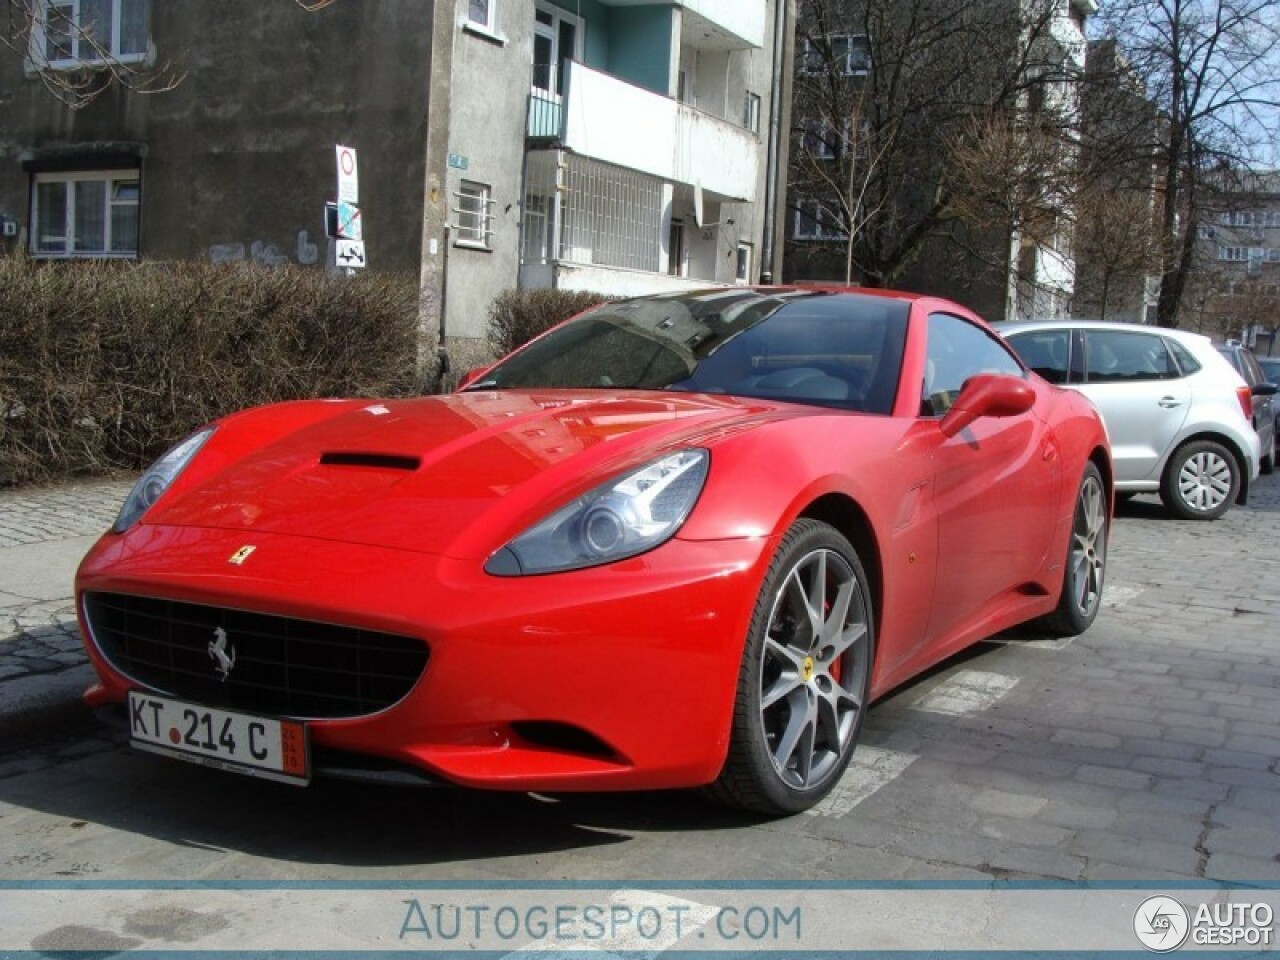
{"x": 239, "y": 158}
{"x": 489, "y": 100}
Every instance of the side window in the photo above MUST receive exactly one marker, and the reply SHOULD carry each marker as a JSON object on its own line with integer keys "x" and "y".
{"x": 1186, "y": 362}
{"x": 1113, "y": 356}
{"x": 957, "y": 350}
{"x": 1047, "y": 352}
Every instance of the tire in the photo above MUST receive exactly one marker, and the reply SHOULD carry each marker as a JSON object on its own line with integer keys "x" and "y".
{"x": 1086, "y": 566}
{"x": 802, "y": 694}
{"x": 1268, "y": 463}
{"x": 1201, "y": 481}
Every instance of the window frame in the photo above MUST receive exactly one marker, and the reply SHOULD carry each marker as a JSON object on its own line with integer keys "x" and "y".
{"x": 477, "y": 236}
{"x": 112, "y": 47}
{"x": 744, "y": 263}
{"x": 1090, "y": 378}
{"x": 812, "y": 57}
{"x": 928, "y": 407}
{"x": 821, "y": 216}
{"x": 111, "y": 179}
{"x": 751, "y": 108}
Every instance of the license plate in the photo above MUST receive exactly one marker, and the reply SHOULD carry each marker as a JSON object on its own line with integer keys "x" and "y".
{"x": 239, "y": 742}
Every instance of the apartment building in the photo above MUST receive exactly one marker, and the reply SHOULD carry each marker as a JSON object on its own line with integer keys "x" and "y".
{"x": 616, "y": 146}
{"x": 1235, "y": 291}
{"x": 903, "y": 104}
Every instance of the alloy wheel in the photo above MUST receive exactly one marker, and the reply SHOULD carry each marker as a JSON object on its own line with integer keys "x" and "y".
{"x": 1089, "y": 545}
{"x": 814, "y": 664}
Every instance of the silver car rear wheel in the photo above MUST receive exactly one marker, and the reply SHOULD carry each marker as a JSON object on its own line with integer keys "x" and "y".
{"x": 1201, "y": 481}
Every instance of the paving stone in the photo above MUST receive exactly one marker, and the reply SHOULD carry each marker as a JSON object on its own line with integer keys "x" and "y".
{"x": 1114, "y": 777}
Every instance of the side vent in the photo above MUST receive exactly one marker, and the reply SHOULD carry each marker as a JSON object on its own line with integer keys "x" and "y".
{"x": 381, "y": 461}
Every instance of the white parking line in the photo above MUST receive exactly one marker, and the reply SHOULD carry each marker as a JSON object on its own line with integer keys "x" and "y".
{"x": 1117, "y": 595}
{"x": 966, "y": 693}
{"x": 869, "y": 770}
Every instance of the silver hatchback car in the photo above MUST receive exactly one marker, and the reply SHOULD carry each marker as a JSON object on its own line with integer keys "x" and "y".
{"x": 1177, "y": 413}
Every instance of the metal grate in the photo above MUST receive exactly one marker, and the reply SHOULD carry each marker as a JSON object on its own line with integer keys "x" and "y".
{"x": 583, "y": 211}
{"x": 282, "y": 666}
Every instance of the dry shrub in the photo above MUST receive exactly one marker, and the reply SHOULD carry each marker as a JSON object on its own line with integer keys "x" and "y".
{"x": 104, "y": 364}
{"x": 517, "y": 316}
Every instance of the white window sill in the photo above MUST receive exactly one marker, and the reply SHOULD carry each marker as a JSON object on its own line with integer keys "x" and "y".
{"x": 485, "y": 33}
{"x": 473, "y": 245}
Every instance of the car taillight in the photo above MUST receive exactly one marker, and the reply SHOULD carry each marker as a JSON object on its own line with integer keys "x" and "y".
{"x": 1246, "y": 402}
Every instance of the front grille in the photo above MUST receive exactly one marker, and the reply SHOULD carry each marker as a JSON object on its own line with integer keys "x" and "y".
{"x": 283, "y": 666}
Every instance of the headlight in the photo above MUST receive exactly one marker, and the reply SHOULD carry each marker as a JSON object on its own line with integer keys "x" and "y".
{"x": 157, "y": 479}
{"x": 620, "y": 519}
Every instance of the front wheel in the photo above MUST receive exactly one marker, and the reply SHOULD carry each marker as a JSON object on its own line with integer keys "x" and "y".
{"x": 1201, "y": 481}
{"x": 1086, "y": 559}
{"x": 804, "y": 678}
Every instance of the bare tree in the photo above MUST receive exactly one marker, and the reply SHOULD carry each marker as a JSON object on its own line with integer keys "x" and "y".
{"x": 901, "y": 109}
{"x": 1114, "y": 224}
{"x": 1210, "y": 66}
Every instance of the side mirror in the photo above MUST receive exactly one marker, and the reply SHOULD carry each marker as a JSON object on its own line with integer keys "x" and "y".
{"x": 1265, "y": 389}
{"x": 470, "y": 377}
{"x": 988, "y": 395}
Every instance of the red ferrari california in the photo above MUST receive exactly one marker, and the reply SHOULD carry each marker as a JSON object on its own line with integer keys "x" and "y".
{"x": 678, "y": 541}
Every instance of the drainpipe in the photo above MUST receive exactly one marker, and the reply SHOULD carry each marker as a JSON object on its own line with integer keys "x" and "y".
{"x": 772, "y": 170}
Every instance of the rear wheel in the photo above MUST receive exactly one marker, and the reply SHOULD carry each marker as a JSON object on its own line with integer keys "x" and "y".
{"x": 1201, "y": 481}
{"x": 1086, "y": 559}
{"x": 804, "y": 677}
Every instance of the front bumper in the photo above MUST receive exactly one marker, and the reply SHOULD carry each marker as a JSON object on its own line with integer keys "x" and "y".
{"x": 638, "y": 660}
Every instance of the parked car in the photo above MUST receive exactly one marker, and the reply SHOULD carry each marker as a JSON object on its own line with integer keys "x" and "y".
{"x": 1266, "y": 408}
{"x": 1270, "y": 367}
{"x": 1179, "y": 417}
{"x": 677, "y": 541}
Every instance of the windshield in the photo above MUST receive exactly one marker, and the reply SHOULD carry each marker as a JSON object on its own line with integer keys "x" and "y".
{"x": 839, "y": 350}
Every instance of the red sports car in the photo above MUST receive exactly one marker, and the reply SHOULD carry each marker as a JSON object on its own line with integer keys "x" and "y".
{"x": 677, "y": 541}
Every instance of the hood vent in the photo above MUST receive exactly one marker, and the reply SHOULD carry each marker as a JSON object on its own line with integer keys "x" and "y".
{"x": 381, "y": 461}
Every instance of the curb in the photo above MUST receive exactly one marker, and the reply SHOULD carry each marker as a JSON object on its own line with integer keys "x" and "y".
{"x": 36, "y": 705}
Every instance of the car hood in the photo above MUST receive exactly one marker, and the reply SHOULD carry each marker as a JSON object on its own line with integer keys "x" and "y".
{"x": 450, "y": 475}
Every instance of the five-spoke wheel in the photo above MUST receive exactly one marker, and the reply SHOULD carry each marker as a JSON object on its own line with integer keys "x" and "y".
{"x": 804, "y": 678}
{"x": 1086, "y": 558}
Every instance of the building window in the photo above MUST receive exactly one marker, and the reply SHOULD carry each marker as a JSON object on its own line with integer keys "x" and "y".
{"x": 483, "y": 14}
{"x": 85, "y": 215}
{"x": 557, "y": 39}
{"x": 815, "y": 221}
{"x": 473, "y": 216}
{"x": 751, "y": 112}
{"x": 69, "y": 33}
{"x": 847, "y": 54}
{"x": 745, "y": 257}
{"x": 822, "y": 141}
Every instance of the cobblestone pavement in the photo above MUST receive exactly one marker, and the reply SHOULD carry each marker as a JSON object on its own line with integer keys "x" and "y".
{"x": 37, "y": 626}
{"x": 1144, "y": 750}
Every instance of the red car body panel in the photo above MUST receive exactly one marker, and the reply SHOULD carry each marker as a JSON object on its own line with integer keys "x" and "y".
{"x": 382, "y": 514}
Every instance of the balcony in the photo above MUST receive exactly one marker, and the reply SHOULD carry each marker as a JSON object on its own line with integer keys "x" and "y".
{"x": 723, "y": 24}
{"x": 611, "y": 120}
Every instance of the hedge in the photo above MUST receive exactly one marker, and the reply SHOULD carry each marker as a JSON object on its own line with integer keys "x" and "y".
{"x": 517, "y": 316}
{"x": 104, "y": 364}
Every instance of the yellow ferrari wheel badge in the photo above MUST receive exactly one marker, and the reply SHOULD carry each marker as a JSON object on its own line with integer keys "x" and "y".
{"x": 806, "y": 669}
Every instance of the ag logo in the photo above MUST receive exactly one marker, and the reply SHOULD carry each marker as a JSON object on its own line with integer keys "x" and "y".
{"x": 1161, "y": 924}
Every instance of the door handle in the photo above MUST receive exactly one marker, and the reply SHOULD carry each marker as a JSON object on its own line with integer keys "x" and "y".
{"x": 1170, "y": 402}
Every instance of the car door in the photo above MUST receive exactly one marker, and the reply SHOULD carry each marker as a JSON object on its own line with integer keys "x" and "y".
{"x": 996, "y": 483}
{"x": 1136, "y": 384}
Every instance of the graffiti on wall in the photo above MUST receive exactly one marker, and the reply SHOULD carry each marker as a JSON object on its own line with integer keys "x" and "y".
{"x": 266, "y": 254}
